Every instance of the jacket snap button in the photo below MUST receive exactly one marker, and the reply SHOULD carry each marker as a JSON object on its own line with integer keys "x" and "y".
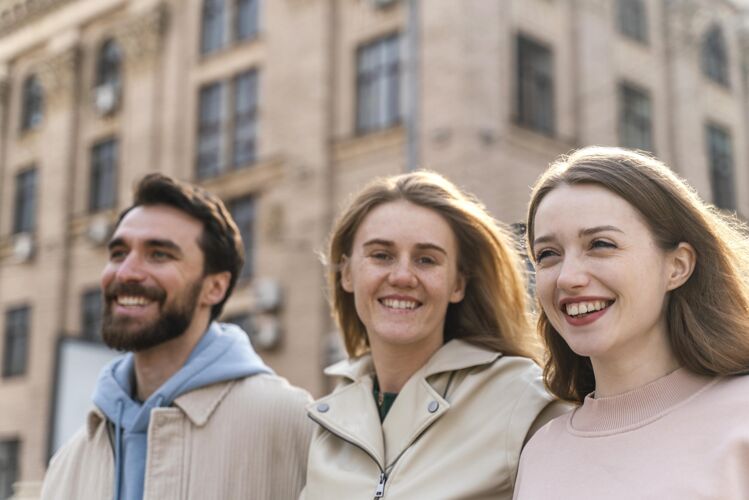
{"x": 323, "y": 407}
{"x": 433, "y": 406}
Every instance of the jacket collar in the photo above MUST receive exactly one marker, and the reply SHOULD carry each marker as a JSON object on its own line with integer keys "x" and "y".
{"x": 455, "y": 355}
{"x": 198, "y": 405}
{"x": 350, "y": 411}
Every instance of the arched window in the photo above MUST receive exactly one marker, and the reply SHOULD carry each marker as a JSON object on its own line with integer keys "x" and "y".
{"x": 108, "y": 64}
{"x": 32, "y": 104}
{"x": 715, "y": 55}
{"x": 632, "y": 19}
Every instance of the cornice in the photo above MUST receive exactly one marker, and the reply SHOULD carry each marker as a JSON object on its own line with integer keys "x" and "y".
{"x": 16, "y": 13}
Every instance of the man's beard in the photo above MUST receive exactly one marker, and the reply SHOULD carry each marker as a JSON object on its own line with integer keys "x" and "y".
{"x": 171, "y": 323}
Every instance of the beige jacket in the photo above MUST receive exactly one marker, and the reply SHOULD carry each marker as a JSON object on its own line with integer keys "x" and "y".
{"x": 242, "y": 439}
{"x": 454, "y": 432}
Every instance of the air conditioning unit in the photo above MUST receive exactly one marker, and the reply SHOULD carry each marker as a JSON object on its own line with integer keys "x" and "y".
{"x": 106, "y": 98}
{"x": 381, "y": 4}
{"x": 99, "y": 230}
{"x": 267, "y": 332}
{"x": 267, "y": 294}
{"x": 23, "y": 247}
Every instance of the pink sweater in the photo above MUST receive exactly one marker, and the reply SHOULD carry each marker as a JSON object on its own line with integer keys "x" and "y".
{"x": 680, "y": 437}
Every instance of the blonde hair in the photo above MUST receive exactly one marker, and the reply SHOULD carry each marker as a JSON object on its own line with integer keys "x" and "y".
{"x": 493, "y": 313}
{"x": 708, "y": 316}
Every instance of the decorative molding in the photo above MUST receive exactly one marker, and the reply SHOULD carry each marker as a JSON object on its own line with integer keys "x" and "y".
{"x": 142, "y": 36}
{"x": 15, "y": 13}
{"x": 57, "y": 75}
{"x": 688, "y": 20}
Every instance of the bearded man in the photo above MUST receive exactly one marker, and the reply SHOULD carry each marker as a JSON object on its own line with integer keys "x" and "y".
{"x": 190, "y": 411}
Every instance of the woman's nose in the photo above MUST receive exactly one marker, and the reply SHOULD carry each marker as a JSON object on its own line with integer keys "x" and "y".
{"x": 402, "y": 275}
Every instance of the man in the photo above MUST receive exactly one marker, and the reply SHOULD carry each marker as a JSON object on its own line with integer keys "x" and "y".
{"x": 190, "y": 412}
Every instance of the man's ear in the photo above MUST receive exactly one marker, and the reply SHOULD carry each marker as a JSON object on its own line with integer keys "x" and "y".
{"x": 681, "y": 264}
{"x": 214, "y": 287}
{"x": 346, "y": 282}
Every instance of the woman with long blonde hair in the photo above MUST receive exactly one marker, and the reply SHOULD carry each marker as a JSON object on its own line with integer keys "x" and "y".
{"x": 645, "y": 313}
{"x": 440, "y": 390}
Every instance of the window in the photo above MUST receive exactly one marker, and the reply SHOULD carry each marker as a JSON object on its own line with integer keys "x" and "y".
{"x": 225, "y": 21}
{"x": 635, "y": 122}
{"x": 632, "y": 19}
{"x": 91, "y": 312}
{"x": 210, "y": 130}
{"x": 8, "y": 466}
{"x": 715, "y": 56}
{"x": 228, "y": 128}
{"x": 16, "y": 342}
{"x": 214, "y": 30}
{"x": 378, "y": 85}
{"x": 108, "y": 64}
{"x": 535, "y": 86}
{"x": 25, "y": 203}
{"x": 243, "y": 212}
{"x": 103, "y": 181}
{"x": 720, "y": 153}
{"x": 245, "y": 118}
{"x": 32, "y": 105}
{"x": 247, "y": 19}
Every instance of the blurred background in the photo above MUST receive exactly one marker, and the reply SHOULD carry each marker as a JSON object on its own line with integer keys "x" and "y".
{"x": 284, "y": 108}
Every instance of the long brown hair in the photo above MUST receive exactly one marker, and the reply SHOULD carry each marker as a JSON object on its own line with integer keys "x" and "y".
{"x": 708, "y": 316}
{"x": 493, "y": 313}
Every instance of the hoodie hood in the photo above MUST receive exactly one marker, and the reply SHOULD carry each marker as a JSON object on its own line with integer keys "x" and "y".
{"x": 223, "y": 353}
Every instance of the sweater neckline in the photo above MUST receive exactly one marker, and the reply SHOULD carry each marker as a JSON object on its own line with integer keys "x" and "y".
{"x": 638, "y": 407}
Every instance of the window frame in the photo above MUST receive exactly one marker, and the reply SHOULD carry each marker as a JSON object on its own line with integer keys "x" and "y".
{"x": 383, "y": 81}
{"x": 231, "y": 22}
{"x": 92, "y": 334}
{"x": 630, "y": 92}
{"x": 632, "y": 20}
{"x": 250, "y": 224}
{"x": 12, "y": 448}
{"x": 109, "y": 64}
{"x": 25, "y": 200}
{"x": 102, "y": 196}
{"x": 17, "y": 330}
{"x": 32, "y": 103}
{"x": 714, "y": 57}
{"x": 534, "y": 78}
{"x": 726, "y": 178}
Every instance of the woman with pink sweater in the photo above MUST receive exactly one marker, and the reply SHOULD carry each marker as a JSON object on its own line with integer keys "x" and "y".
{"x": 645, "y": 312}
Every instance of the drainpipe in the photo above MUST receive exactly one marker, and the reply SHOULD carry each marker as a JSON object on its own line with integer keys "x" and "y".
{"x": 412, "y": 86}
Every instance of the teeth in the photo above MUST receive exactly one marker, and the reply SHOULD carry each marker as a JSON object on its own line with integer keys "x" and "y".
{"x": 585, "y": 307}
{"x": 399, "y": 304}
{"x": 132, "y": 301}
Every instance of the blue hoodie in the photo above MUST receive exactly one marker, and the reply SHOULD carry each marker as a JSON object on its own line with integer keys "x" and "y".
{"x": 223, "y": 353}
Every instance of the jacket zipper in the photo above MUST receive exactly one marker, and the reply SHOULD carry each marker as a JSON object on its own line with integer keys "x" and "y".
{"x": 380, "y": 491}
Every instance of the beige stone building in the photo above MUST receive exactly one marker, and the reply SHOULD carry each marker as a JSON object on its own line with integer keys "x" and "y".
{"x": 283, "y": 107}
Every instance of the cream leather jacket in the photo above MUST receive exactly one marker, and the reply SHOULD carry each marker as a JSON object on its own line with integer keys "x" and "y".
{"x": 241, "y": 439}
{"x": 455, "y": 430}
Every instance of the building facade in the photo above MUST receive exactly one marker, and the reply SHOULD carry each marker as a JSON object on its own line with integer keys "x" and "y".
{"x": 284, "y": 107}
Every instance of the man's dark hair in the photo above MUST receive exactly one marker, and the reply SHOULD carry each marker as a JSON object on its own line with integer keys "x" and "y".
{"x": 220, "y": 242}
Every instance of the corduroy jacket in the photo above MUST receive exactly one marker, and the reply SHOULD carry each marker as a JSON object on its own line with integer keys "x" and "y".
{"x": 240, "y": 439}
{"x": 455, "y": 430}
